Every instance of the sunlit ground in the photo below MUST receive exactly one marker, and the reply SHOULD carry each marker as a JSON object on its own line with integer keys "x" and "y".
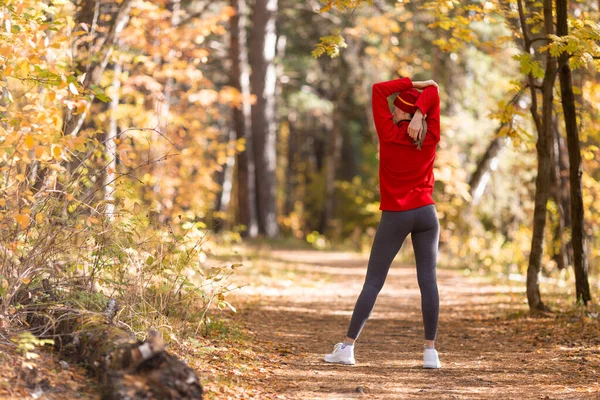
{"x": 298, "y": 303}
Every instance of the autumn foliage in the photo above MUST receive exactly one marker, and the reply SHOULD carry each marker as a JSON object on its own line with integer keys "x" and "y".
{"x": 137, "y": 138}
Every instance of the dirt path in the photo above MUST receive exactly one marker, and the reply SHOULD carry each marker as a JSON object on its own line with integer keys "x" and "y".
{"x": 489, "y": 347}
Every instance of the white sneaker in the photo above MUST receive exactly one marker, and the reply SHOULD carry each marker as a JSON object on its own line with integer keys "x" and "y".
{"x": 431, "y": 359}
{"x": 341, "y": 355}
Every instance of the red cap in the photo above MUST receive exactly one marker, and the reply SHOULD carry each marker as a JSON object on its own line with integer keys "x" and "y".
{"x": 406, "y": 100}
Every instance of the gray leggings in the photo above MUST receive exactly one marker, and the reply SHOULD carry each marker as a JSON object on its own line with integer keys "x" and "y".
{"x": 393, "y": 228}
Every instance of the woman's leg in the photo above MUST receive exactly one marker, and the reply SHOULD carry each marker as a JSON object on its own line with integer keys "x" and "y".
{"x": 391, "y": 232}
{"x": 425, "y": 239}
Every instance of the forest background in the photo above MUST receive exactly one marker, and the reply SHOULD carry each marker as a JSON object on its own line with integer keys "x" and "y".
{"x": 137, "y": 137}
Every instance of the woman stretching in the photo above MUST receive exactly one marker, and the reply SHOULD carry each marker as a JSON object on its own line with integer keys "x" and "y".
{"x": 406, "y": 156}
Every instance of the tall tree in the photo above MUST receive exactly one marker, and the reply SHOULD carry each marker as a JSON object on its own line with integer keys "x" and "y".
{"x": 240, "y": 79}
{"x": 111, "y": 142}
{"x": 263, "y": 80}
{"x": 575, "y": 166}
{"x": 545, "y": 139}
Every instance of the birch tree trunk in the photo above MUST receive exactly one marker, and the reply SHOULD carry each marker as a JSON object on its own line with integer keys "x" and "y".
{"x": 111, "y": 145}
{"x": 263, "y": 80}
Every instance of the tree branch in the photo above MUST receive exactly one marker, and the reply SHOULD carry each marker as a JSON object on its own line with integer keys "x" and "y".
{"x": 534, "y": 106}
{"x": 96, "y": 70}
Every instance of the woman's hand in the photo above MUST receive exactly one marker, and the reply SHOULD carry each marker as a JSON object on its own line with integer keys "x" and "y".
{"x": 424, "y": 84}
{"x": 416, "y": 126}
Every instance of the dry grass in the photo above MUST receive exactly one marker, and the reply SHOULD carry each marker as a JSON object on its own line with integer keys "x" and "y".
{"x": 49, "y": 381}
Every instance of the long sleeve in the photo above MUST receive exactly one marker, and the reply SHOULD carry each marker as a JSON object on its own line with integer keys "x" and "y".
{"x": 386, "y": 130}
{"x": 429, "y": 104}
{"x": 429, "y": 100}
{"x": 406, "y": 177}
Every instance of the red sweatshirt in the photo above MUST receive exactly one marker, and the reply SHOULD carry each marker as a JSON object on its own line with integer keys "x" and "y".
{"x": 405, "y": 173}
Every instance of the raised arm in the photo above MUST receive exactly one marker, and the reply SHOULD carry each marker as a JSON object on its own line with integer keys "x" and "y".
{"x": 381, "y": 109}
{"x": 428, "y": 104}
{"x": 428, "y": 100}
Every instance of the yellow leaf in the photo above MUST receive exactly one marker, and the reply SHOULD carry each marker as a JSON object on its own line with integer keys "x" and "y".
{"x": 25, "y": 281}
{"x": 51, "y": 96}
{"x": 39, "y": 218}
{"x": 56, "y": 152}
{"x": 24, "y": 68}
{"x": 39, "y": 151}
{"x": 23, "y": 220}
{"x": 29, "y": 141}
{"x": 2, "y": 202}
{"x": 20, "y": 178}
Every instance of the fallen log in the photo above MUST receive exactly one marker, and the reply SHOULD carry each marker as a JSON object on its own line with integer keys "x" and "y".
{"x": 126, "y": 368}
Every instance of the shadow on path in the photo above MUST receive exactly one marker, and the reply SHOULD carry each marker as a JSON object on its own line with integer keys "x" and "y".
{"x": 486, "y": 352}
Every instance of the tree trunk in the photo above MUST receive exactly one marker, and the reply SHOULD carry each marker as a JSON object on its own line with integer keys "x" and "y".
{"x": 559, "y": 250}
{"x": 111, "y": 145}
{"x": 350, "y": 158}
{"x": 563, "y": 167}
{"x": 580, "y": 262}
{"x": 292, "y": 165}
{"x": 125, "y": 367}
{"x": 333, "y": 143}
{"x": 544, "y": 151}
{"x": 224, "y": 178}
{"x": 332, "y": 159}
{"x": 240, "y": 79}
{"x": 262, "y": 54}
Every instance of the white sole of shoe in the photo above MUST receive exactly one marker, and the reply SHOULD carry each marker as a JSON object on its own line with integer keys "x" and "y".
{"x": 432, "y": 366}
{"x": 340, "y": 362}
